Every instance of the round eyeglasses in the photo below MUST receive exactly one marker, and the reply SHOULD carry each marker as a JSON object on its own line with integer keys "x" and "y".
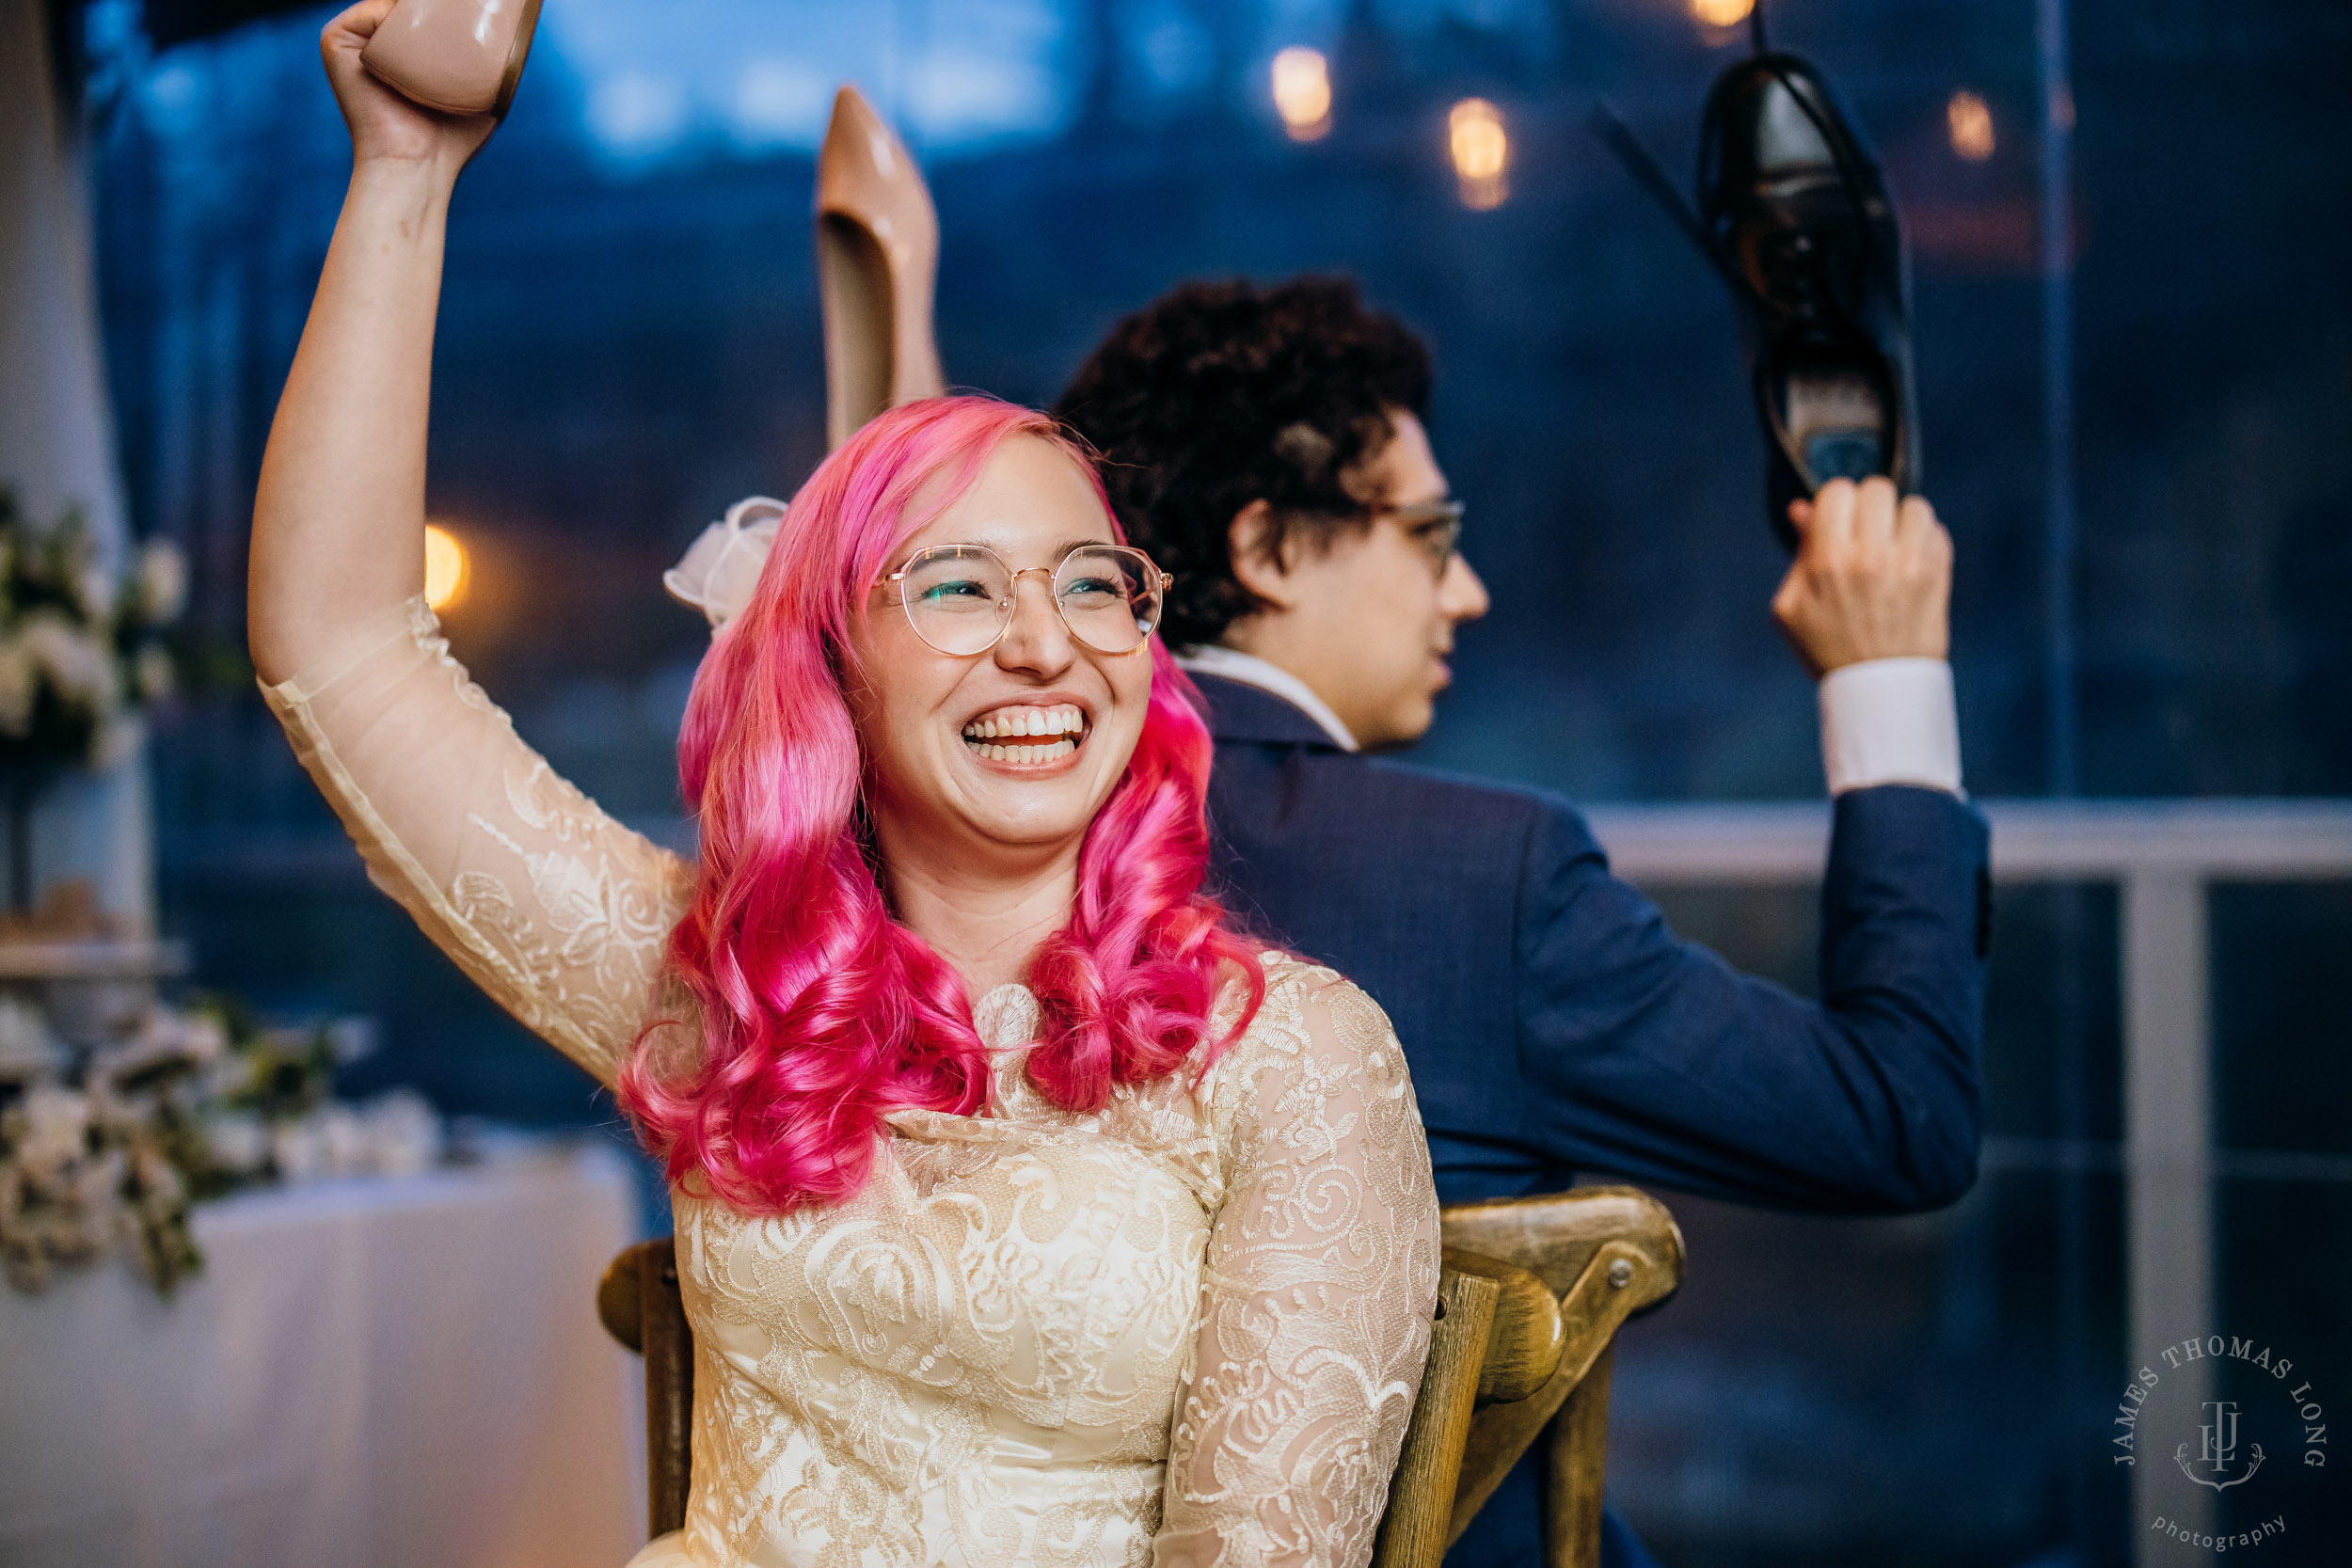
{"x": 959, "y": 598}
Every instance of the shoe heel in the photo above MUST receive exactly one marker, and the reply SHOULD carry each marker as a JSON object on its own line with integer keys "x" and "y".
{"x": 459, "y": 56}
{"x": 877, "y": 257}
{"x": 853, "y": 285}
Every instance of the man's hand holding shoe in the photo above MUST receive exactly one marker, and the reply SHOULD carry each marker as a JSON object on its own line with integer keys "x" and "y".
{"x": 1872, "y": 578}
{"x": 1866, "y": 604}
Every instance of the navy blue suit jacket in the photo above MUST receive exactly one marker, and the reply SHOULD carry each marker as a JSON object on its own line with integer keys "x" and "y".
{"x": 1554, "y": 1024}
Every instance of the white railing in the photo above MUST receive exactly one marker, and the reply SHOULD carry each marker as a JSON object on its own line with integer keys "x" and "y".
{"x": 2162, "y": 855}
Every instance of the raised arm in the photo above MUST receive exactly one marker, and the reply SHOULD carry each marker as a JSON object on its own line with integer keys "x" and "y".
{"x": 1647, "y": 1056}
{"x": 1650, "y": 1057}
{"x": 559, "y": 911}
{"x": 1320, "y": 1280}
{"x": 338, "y": 519}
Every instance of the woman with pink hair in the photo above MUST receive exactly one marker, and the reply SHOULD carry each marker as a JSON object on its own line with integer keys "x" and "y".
{"x": 1025, "y": 1212}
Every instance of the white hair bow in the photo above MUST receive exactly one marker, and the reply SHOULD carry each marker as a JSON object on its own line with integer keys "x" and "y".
{"x": 719, "y": 569}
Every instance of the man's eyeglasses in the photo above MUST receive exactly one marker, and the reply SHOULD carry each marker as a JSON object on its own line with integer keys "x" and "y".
{"x": 1435, "y": 526}
{"x": 959, "y": 598}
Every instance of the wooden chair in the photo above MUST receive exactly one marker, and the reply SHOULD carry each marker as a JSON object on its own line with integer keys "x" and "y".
{"x": 637, "y": 1301}
{"x": 1605, "y": 1253}
{"x": 1528, "y": 1308}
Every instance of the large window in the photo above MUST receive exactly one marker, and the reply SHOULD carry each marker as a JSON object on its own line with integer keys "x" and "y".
{"x": 2135, "y": 427}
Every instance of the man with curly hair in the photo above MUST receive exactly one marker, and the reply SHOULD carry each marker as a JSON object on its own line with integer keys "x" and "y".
{"x": 1266, "y": 446}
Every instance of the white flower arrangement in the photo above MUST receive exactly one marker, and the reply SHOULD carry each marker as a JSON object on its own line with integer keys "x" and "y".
{"x": 86, "y": 1166}
{"x": 81, "y": 645}
{"x": 106, "y": 1149}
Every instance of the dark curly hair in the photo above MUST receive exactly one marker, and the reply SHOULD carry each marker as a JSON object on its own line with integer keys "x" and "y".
{"x": 1220, "y": 394}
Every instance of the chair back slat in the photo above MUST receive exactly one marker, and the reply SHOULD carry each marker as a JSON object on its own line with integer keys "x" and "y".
{"x": 1574, "y": 1464}
{"x": 1421, "y": 1491}
{"x": 669, "y": 1349}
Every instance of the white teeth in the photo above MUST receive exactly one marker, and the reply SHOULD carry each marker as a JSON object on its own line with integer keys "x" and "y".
{"x": 1061, "y": 746}
{"x": 1025, "y": 722}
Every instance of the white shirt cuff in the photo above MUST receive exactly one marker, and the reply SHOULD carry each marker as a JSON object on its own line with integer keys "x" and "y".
{"x": 1890, "y": 721}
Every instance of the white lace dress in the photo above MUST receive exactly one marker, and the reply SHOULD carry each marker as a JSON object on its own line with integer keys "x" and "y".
{"x": 1185, "y": 1329}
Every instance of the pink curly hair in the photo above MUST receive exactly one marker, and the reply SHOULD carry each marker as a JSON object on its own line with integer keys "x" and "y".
{"x": 820, "y": 1012}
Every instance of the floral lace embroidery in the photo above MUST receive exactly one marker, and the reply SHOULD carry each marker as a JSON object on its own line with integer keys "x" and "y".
{"x": 557, "y": 911}
{"x": 1187, "y": 1329}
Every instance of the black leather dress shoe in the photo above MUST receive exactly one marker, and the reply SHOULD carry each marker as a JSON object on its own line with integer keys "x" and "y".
{"x": 1797, "y": 208}
{"x": 1794, "y": 213}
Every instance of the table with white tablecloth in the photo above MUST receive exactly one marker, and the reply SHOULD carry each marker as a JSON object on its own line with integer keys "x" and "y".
{"x": 367, "y": 1373}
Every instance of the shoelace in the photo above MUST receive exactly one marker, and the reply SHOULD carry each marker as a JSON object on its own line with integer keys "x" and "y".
{"x": 1816, "y": 273}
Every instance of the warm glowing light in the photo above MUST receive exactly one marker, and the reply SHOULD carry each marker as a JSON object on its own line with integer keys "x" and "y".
{"x": 1480, "y": 147}
{"x": 1482, "y": 153}
{"x": 1302, "y": 92}
{"x": 1972, "y": 126}
{"x": 1721, "y": 13}
{"x": 446, "y": 567}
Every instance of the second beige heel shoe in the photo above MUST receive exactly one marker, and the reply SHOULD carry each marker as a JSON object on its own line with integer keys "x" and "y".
{"x": 877, "y": 261}
{"x": 460, "y": 57}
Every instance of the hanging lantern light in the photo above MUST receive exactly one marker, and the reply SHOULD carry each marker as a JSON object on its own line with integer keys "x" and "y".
{"x": 447, "y": 567}
{"x": 1482, "y": 153}
{"x": 1302, "y": 92}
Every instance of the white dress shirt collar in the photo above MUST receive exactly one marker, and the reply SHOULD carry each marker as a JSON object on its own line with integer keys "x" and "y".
{"x": 1234, "y": 665}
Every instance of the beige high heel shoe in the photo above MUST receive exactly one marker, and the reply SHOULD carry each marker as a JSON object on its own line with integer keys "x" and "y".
{"x": 877, "y": 259}
{"x": 461, "y": 56}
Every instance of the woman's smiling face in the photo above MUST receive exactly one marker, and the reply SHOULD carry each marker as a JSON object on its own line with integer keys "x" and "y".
{"x": 1015, "y": 749}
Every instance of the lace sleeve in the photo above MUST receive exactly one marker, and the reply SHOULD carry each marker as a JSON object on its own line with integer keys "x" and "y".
{"x": 557, "y": 911}
{"x": 1322, "y": 1274}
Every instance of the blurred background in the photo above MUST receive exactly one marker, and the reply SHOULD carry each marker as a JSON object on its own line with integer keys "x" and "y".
{"x": 2130, "y": 253}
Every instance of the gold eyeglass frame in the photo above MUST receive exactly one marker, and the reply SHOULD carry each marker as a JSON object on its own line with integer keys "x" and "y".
{"x": 1006, "y": 608}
